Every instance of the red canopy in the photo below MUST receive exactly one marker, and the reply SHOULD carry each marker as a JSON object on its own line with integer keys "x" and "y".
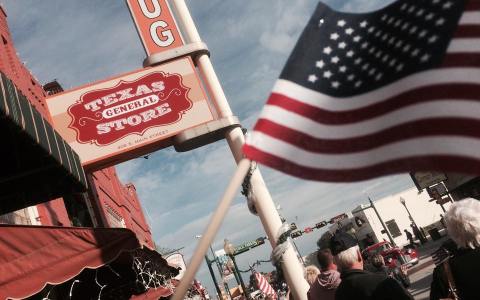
{"x": 32, "y": 256}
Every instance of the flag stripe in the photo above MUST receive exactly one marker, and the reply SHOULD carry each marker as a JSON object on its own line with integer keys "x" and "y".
{"x": 447, "y": 163}
{"x": 464, "y": 45}
{"x": 415, "y": 96}
{"x": 264, "y": 286}
{"x": 470, "y": 18}
{"x": 462, "y": 59}
{"x": 434, "y": 109}
{"x": 435, "y": 146}
{"x": 468, "y": 31}
{"x": 472, "y": 5}
{"x": 430, "y": 127}
{"x": 417, "y": 80}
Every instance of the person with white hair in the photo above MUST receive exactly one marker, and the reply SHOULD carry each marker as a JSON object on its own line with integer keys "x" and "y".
{"x": 359, "y": 284}
{"x": 463, "y": 226}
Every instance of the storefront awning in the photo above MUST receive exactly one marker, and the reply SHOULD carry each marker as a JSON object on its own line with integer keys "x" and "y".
{"x": 37, "y": 164}
{"x": 32, "y": 257}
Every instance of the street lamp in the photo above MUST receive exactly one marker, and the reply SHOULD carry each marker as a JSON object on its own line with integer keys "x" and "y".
{"x": 209, "y": 265}
{"x": 411, "y": 219}
{"x": 230, "y": 251}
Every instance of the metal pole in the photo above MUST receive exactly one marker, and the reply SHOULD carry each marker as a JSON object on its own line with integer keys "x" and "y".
{"x": 209, "y": 264}
{"x": 293, "y": 270}
{"x": 244, "y": 290}
{"x": 381, "y": 221}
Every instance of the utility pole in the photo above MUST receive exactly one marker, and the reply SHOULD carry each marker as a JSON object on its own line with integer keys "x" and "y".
{"x": 381, "y": 221}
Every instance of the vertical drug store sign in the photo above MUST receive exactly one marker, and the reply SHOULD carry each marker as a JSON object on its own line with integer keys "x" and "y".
{"x": 130, "y": 115}
{"x": 155, "y": 25}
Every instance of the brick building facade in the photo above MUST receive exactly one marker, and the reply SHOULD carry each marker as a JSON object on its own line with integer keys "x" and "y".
{"x": 108, "y": 203}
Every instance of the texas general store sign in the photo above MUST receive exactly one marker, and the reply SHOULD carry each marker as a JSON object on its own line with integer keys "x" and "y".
{"x": 132, "y": 114}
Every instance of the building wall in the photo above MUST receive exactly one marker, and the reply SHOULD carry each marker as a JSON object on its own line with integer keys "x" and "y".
{"x": 423, "y": 212}
{"x": 118, "y": 204}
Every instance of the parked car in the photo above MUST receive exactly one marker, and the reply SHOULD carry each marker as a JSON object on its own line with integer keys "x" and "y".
{"x": 392, "y": 255}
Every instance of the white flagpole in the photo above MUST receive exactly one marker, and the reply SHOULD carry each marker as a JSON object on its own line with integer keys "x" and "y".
{"x": 292, "y": 268}
{"x": 212, "y": 228}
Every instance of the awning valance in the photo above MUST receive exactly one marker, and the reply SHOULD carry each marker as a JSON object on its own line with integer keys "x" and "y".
{"x": 32, "y": 257}
{"x": 37, "y": 164}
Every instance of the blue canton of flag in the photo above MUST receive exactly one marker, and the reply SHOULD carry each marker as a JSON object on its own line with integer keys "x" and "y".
{"x": 364, "y": 95}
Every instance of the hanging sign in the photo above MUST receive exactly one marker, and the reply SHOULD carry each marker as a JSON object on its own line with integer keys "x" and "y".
{"x": 155, "y": 25}
{"x": 117, "y": 119}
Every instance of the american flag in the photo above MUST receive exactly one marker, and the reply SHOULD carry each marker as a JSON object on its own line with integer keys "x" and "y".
{"x": 363, "y": 95}
{"x": 264, "y": 286}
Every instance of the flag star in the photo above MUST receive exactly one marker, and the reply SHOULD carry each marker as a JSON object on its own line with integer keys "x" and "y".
{"x": 342, "y": 45}
{"x": 413, "y": 29}
{"x": 433, "y": 39}
{"x": 320, "y": 22}
{"x": 350, "y": 53}
{"x": 327, "y": 74}
{"x": 391, "y": 40}
{"x": 357, "y": 61}
{"x": 371, "y": 50}
{"x": 371, "y": 72}
{"x": 411, "y": 9}
{"x": 385, "y": 36}
{"x": 420, "y": 12}
{"x": 327, "y": 50}
{"x": 399, "y": 44}
{"x": 341, "y": 23}
{"x": 320, "y": 64}
{"x": 363, "y": 24}
{"x": 364, "y": 45}
{"x": 378, "y": 54}
{"x": 342, "y": 69}
{"x": 397, "y": 23}
{"x": 415, "y": 52}
{"x": 385, "y": 58}
{"x": 378, "y": 76}
{"x": 335, "y": 59}
{"x": 358, "y": 83}
{"x": 351, "y": 77}
{"x": 399, "y": 67}
{"x": 405, "y": 26}
{"x": 334, "y": 36}
{"x": 365, "y": 66}
{"x": 422, "y": 33}
{"x": 404, "y": 6}
{"x": 378, "y": 33}
{"x": 384, "y": 17}
{"x": 371, "y": 29}
{"x": 392, "y": 62}
{"x": 447, "y": 5}
{"x": 425, "y": 58}
{"x": 406, "y": 48}
{"x": 429, "y": 16}
{"x": 390, "y": 20}
{"x": 440, "y": 22}
{"x": 349, "y": 30}
{"x": 312, "y": 78}
{"x": 436, "y": 1}
{"x": 335, "y": 84}
{"x": 357, "y": 38}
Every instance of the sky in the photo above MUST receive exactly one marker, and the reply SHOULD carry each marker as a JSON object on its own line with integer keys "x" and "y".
{"x": 79, "y": 42}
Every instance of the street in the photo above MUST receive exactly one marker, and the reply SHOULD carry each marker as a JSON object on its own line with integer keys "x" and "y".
{"x": 420, "y": 288}
{"x": 421, "y": 274}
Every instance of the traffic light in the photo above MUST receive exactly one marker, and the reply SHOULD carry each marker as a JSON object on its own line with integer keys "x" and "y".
{"x": 321, "y": 224}
{"x": 308, "y": 229}
{"x": 296, "y": 234}
{"x": 260, "y": 241}
{"x": 359, "y": 221}
{"x": 293, "y": 226}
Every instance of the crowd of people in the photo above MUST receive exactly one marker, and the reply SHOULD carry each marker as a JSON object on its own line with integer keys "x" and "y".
{"x": 345, "y": 275}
